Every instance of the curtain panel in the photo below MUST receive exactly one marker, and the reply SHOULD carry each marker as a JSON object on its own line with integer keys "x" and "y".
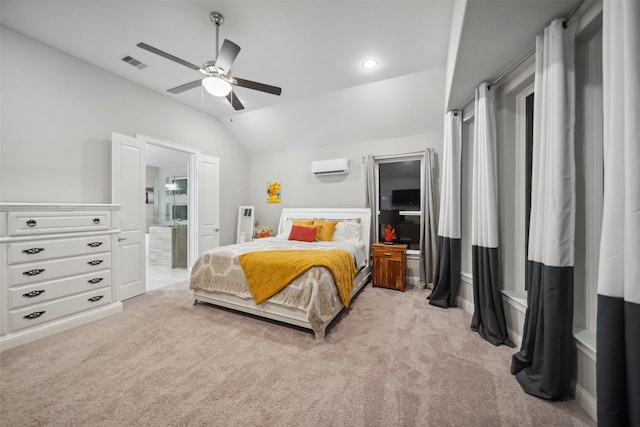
{"x": 543, "y": 366}
{"x": 447, "y": 272}
{"x": 370, "y": 194}
{"x": 618, "y": 316}
{"x": 488, "y": 316}
{"x": 429, "y": 221}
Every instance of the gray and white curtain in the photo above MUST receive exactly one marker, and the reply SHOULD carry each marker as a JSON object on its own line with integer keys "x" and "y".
{"x": 370, "y": 191}
{"x": 488, "y": 316}
{"x": 447, "y": 272}
{"x": 618, "y": 321}
{"x": 543, "y": 366}
{"x": 429, "y": 220}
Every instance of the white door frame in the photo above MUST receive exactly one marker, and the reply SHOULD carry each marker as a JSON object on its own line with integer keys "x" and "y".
{"x": 192, "y": 177}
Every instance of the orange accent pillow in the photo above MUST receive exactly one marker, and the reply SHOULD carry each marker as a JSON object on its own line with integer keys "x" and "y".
{"x": 302, "y": 234}
{"x": 327, "y": 229}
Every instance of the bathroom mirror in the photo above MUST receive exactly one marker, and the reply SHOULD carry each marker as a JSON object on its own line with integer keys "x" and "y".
{"x": 245, "y": 224}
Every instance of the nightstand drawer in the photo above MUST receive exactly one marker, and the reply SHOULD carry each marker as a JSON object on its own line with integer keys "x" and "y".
{"x": 388, "y": 254}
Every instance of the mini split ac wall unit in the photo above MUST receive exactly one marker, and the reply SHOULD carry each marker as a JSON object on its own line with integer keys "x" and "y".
{"x": 330, "y": 167}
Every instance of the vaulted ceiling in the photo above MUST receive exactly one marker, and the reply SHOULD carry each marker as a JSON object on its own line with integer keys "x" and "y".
{"x": 313, "y": 50}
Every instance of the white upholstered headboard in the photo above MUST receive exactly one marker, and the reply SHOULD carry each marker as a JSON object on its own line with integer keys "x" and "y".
{"x": 364, "y": 214}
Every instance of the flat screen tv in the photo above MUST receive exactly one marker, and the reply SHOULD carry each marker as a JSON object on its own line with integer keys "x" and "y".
{"x": 405, "y": 197}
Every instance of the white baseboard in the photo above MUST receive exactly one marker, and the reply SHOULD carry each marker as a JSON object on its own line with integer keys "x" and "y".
{"x": 514, "y": 337}
{"x": 586, "y": 402}
{"x": 31, "y": 334}
{"x": 465, "y": 304}
{"x": 415, "y": 282}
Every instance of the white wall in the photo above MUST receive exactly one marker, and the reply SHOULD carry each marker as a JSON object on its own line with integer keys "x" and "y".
{"x": 301, "y": 188}
{"x": 455, "y": 34}
{"x": 58, "y": 113}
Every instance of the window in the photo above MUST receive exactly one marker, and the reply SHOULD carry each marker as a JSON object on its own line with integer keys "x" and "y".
{"x": 176, "y": 186}
{"x": 589, "y": 183}
{"x": 524, "y": 100}
{"x": 528, "y": 140}
{"x": 400, "y": 199}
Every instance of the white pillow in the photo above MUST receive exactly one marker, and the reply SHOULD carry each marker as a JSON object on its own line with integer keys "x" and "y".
{"x": 347, "y": 231}
{"x": 286, "y": 228}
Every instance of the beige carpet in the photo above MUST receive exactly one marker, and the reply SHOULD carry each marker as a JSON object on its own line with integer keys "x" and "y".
{"x": 390, "y": 360}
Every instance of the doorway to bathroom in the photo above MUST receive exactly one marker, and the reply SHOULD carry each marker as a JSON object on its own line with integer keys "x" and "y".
{"x": 167, "y": 208}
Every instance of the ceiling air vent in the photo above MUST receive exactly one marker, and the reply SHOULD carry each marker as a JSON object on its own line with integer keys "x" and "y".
{"x": 129, "y": 60}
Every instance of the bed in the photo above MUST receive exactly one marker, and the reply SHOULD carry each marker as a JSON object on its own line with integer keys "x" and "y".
{"x": 312, "y": 300}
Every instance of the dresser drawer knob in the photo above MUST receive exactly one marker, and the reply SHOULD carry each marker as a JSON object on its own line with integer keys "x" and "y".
{"x": 94, "y": 244}
{"x": 31, "y": 223}
{"x": 34, "y": 315}
{"x": 94, "y": 281}
{"x": 96, "y": 221}
{"x": 96, "y": 298}
{"x": 33, "y": 293}
{"x": 32, "y": 251}
{"x": 95, "y": 262}
{"x": 33, "y": 272}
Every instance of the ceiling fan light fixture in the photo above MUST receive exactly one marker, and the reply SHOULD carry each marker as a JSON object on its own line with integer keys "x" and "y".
{"x": 369, "y": 64}
{"x": 216, "y": 86}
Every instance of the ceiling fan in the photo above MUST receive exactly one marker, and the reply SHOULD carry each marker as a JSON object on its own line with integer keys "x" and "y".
{"x": 218, "y": 80}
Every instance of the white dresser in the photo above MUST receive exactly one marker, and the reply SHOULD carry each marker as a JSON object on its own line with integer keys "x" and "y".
{"x": 57, "y": 268}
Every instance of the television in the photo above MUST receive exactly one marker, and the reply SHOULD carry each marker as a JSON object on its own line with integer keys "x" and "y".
{"x": 406, "y": 198}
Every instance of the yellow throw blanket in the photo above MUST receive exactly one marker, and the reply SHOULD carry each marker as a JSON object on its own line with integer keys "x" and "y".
{"x": 267, "y": 272}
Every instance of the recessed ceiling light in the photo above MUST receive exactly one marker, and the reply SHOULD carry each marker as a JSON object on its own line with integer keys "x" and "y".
{"x": 369, "y": 64}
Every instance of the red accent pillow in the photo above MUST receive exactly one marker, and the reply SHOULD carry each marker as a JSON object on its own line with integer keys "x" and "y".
{"x": 303, "y": 234}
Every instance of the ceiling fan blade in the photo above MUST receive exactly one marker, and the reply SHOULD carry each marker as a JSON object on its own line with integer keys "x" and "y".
{"x": 228, "y": 53}
{"x": 257, "y": 86}
{"x": 235, "y": 102}
{"x": 168, "y": 56}
{"x": 186, "y": 86}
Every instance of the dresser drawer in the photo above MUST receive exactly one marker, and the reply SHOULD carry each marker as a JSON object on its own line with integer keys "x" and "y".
{"x": 40, "y": 313}
{"x": 36, "y": 272}
{"x": 58, "y": 248}
{"x": 47, "y": 291}
{"x": 25, "y": 223}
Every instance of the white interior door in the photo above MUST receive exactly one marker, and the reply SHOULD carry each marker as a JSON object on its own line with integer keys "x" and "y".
{"x": 127, "y": 189}
{"x": 208, "y": 203}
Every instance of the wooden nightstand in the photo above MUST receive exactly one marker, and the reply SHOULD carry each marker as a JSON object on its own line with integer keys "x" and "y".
{"x": 389, "y": 266}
